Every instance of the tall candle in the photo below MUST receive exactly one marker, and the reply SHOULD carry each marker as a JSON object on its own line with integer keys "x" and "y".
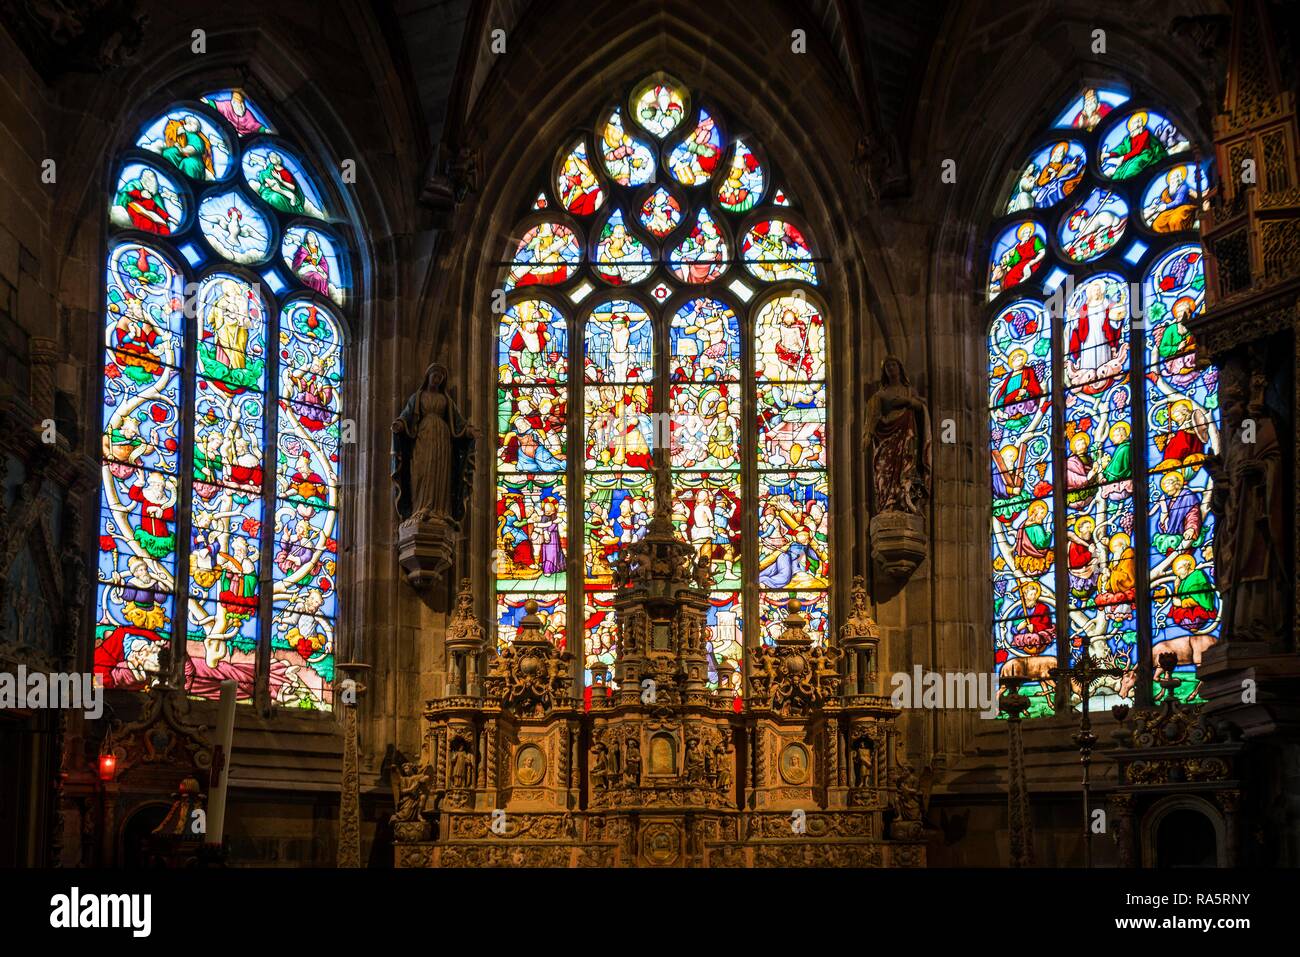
{"x": 221, "y": 776}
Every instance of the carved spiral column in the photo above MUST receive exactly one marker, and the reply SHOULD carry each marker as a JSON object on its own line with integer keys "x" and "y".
{"x": 44, "y": 355}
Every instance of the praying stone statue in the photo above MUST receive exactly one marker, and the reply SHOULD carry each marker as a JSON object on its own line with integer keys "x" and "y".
{"x": 432, "y": 471}
{"x": 897, "y": 440}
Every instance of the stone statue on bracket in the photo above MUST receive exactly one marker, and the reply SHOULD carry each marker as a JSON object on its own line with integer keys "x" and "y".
{"x": 897, "y": 439}
{"x": 432, "y": 471}
{"x": 1250, "y": 561}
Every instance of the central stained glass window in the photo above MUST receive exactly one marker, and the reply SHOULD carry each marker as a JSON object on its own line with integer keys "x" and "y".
{"x": 661, "y": 294}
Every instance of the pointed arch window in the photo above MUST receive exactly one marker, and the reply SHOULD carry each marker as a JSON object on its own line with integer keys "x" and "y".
{"x": 1101, "y": 421}
{"x": 227, "y": 284}
{"x": 663, "y": 287}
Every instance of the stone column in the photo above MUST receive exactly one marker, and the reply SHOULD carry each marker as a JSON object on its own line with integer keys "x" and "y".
{"x": 349, "y": 849}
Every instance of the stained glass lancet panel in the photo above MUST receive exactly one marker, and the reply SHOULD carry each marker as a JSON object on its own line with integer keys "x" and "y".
{"x": 618, "y": 499}
{"x": 1182, "y": 433}
{"x": 1020, "y": 450}
{"x": 706, "y": 455}
{"x": 532, "y": 466}
{"x": 200, "y": 348}
{"x": 307, "y": 507}
{"x": 793, "y": 489}
{"x": 1098, "y": 471}
{"x": 140, "y": 496}
{"x": 1128, "y": 427}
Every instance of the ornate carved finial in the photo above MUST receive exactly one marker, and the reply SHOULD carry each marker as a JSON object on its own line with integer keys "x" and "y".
{"x": 530, "y": 675}
{"x": 793, "y": 676}
{"x": 465, "y": 639}
{"x": 464, "y": 631}
{"x": 1254, "y": 82}
{"x": 859, "y": 625}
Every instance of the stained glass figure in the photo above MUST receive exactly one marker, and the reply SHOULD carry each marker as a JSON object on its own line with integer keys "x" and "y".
{"x": 547, "y": 255}
{"x": 704, "y": 342}
{"x": 311, "y": 255}
{"x": 694, "y": 160}
{"x": 1091, "y": 107}
{"x": 742, "y": 187}
{"x": 576, "y": 184}
{"x": 533, "y": 343}
{"x": 278, "y": 178}
{"x": 701, "y": 256}
{"x": 235, "y": 108}
{"x": 190, "y": 142}
{"x": 628, "y": 160}
{"x": 661, "y": 213}
{"x": 660, "y": 108}
{"x": 147, "y": 199}
{"x": 620, "y": 256}
{"x": 1017, "y": 254}
{"x": 774, "y": 250}
{"x": 619, "y": 343}
{"x": 1051, "y": 174}
{"x": 1172, "y": 201}
{"x": 1141, "y": 140}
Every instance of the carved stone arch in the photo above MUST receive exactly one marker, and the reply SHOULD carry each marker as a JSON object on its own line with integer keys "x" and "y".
{"x": 1149, "y": 829}
{"x": 806, "y": 126}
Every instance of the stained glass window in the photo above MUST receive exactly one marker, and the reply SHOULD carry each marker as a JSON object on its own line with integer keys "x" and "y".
{"x": 682, "y": 317}
{"x": 223, "y": 373}
{"x": 1101, "y": 422}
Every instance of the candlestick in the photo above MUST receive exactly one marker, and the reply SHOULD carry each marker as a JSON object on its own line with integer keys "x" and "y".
{"x": 220, "y": 774}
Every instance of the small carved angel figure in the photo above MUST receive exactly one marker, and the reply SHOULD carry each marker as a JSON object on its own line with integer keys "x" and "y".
{"x": 409, "y": 788}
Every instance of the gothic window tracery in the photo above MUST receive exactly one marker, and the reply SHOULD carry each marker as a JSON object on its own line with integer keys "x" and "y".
{"x": 1101, "y": 423}
{"x": 664, "y": 287}
{"x": 226, "y": 285}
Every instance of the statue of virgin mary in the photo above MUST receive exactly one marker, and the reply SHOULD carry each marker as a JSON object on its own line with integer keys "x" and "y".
{"x": 433, "y": 453}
